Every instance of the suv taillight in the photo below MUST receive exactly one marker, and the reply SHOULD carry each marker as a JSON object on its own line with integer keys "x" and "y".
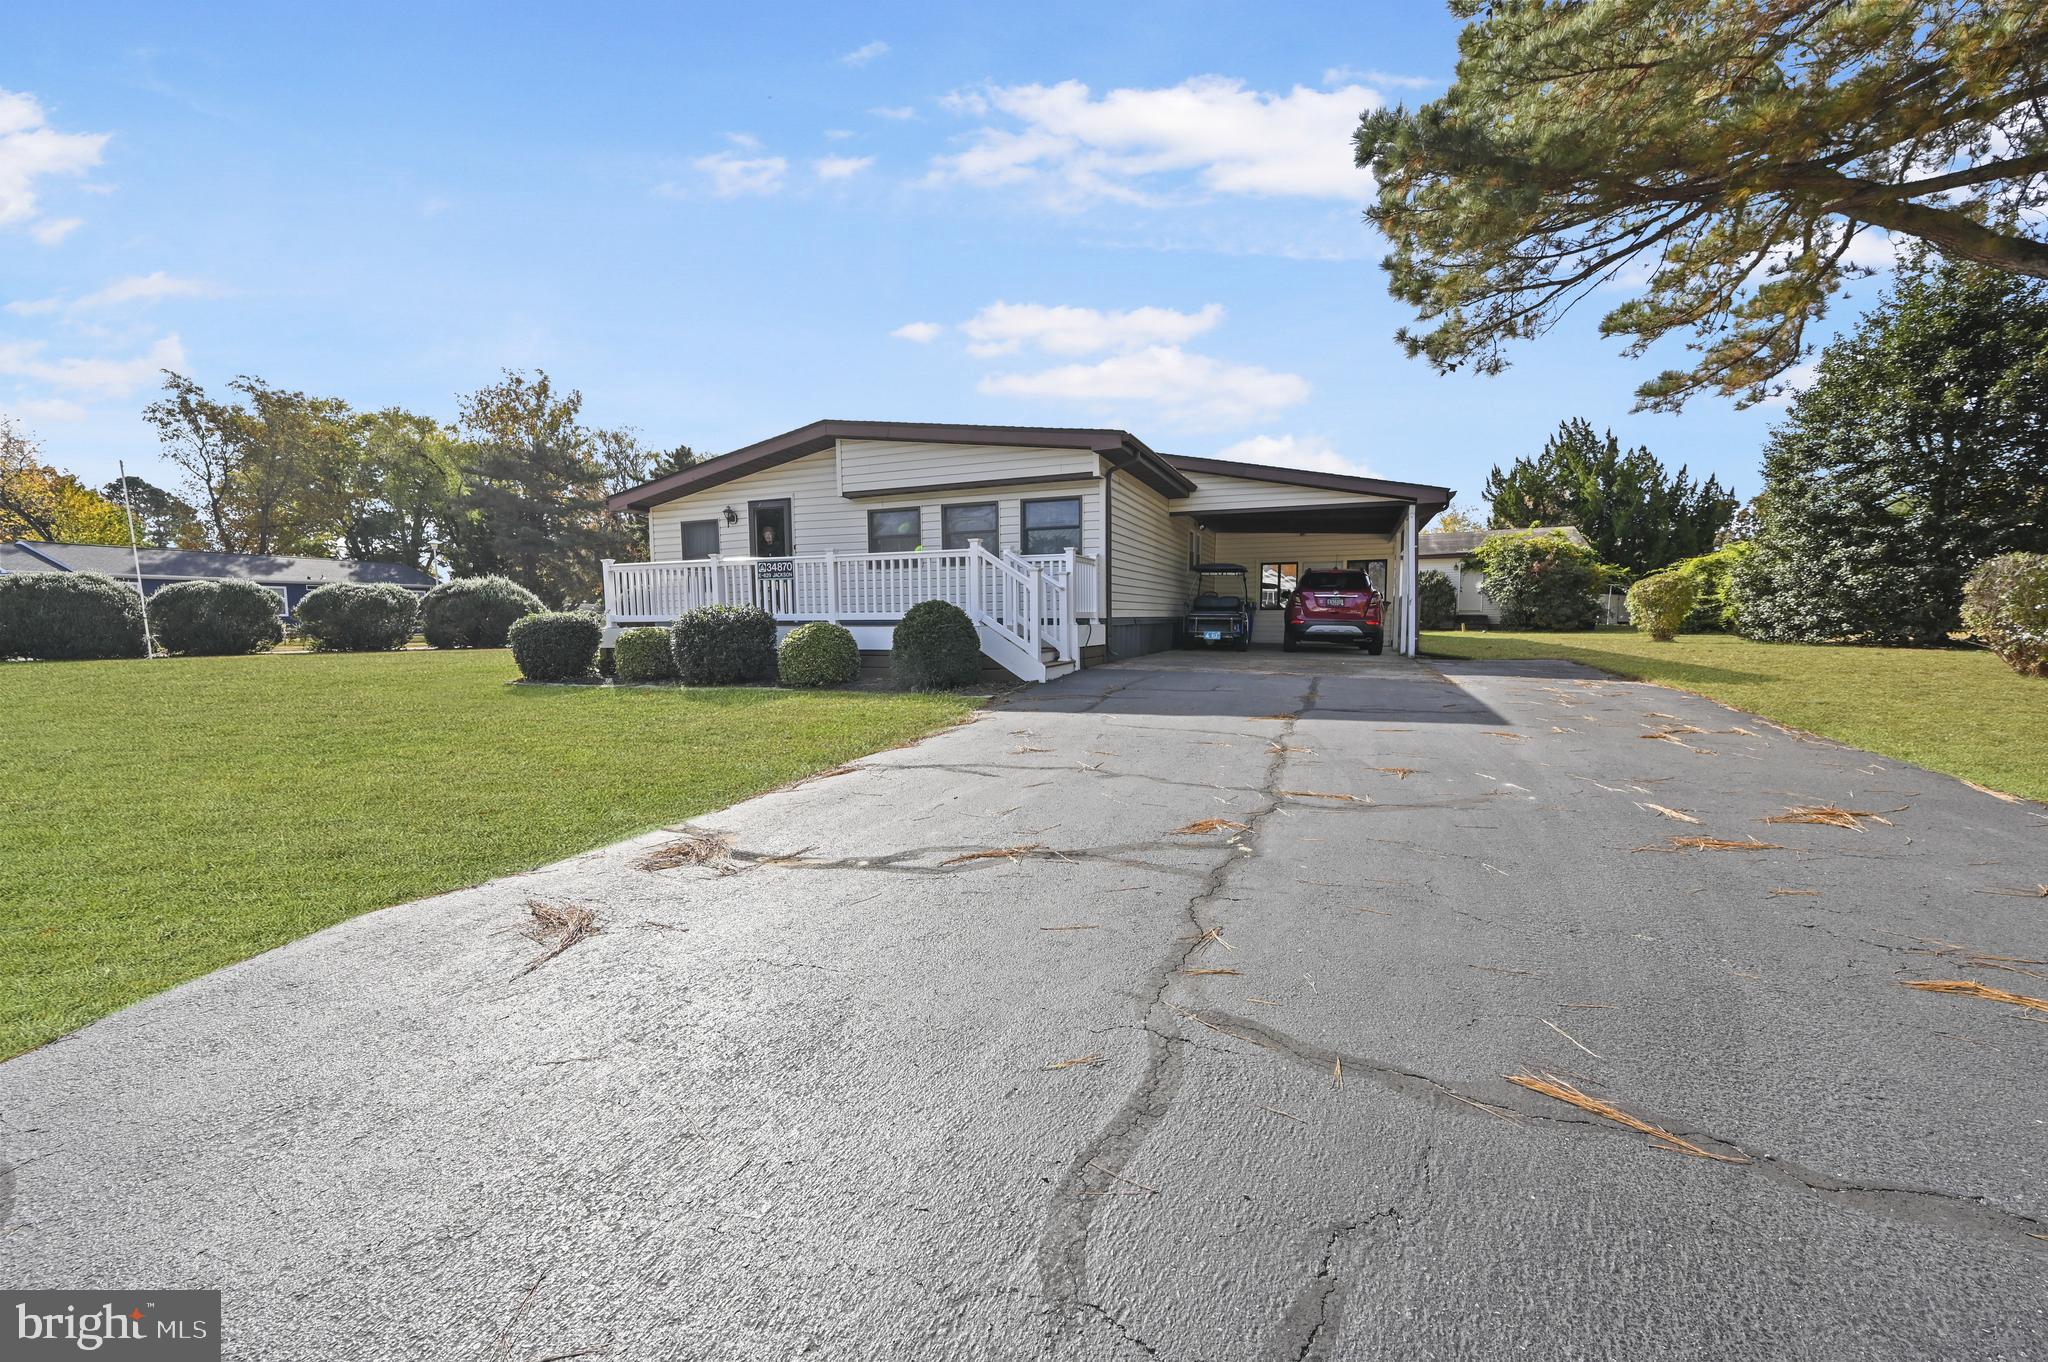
{"x": 1372, "y": 611}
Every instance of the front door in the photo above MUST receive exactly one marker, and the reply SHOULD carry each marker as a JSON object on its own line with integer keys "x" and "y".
{"x": 770, "y": 528}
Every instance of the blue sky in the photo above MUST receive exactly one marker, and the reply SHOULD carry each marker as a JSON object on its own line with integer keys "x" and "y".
{"x": 722, "y": 222}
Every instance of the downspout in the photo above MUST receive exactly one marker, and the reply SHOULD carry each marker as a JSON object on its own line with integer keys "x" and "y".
{"x": 1108, "y": 561}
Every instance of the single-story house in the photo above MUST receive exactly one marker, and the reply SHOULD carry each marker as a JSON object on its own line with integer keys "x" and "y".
{"x": 289, "y": 576}
{"x": 1450, "y": 553}
{"x": 1065, "y": 546}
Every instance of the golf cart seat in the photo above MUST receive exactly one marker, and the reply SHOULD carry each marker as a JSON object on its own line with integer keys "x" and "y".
{"x": 1210, "y": 601}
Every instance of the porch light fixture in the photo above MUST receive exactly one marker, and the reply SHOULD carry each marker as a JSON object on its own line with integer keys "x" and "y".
{"x": 732, "y": 517}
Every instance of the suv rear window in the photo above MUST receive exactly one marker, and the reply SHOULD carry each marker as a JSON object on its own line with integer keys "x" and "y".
{"x": 1336, "y": 581}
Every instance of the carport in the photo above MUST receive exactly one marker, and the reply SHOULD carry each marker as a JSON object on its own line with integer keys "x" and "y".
{"x": 1299, "y": 519}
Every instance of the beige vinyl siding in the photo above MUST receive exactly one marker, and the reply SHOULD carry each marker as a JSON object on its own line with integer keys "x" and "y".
{"x": 1214, "y": 493}
{"x": 1148, "y": 553}
{"x": 1310, "y": 551}
{"x": 874, "y": 465}
{"x": 822, "y": 521}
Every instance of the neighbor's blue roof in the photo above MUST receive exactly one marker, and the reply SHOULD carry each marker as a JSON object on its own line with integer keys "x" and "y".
{"x": 116, "y": 560}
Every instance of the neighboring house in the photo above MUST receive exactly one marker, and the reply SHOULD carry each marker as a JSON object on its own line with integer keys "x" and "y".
{"x": 290, "y": 577}
{"x": 1063, "y": 545}
{"x": 1450, "y": 553}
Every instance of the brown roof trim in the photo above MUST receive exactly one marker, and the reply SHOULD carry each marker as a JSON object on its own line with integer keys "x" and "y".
{"x": 1423, "y": 494}
{"x": 1120, "y": 447}
{"x": 974, "y": 485}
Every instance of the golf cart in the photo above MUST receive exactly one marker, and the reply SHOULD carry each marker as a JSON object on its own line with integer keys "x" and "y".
{"x": 1222, "y": 610}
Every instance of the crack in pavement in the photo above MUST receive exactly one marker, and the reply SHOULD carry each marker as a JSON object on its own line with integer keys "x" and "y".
{"x": 1063, "y": 1245}
{"x": 1319, "y": 1307}
{"x": 1954, "y": 1211}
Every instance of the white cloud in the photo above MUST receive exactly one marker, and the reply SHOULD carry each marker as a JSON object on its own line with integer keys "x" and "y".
{"x": 50, "y": 411}
{"x": 838, "y": 134}
{"x": 1005, "y": 328}
{"x": 733, "y": 175}
{"x": 1386, "y": 80}
{"x": 1128, "y": 144}
{"x": 97, "y": 376}
{"x": 145, "y": 288}
{"x": 50, "y": 231}
{"x": 31, "y": 150}
{"x": 1185, "y": 387}
{"x": 745, "y": 141}
{"x": 896, "y": 113}
{"x": 841, "y": 167}
{"x": 136, "y": 288}
{"x": 1296, "y": 451}
{"x": 924, "y": 333}
{"x": 865, "y": 53}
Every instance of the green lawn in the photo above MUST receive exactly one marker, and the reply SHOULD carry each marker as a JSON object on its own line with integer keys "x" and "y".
{"x": 161, "y": 819}
{"x": 1955, "y": 710}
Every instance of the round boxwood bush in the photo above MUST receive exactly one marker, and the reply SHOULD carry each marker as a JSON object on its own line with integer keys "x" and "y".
{"x": 475, "y": 612}
{"x": 1436, "y": 601}
{"x": 935, "y": 648}
{"x": 818, "y": 654}
{"x": 642, "y": 656}
{"x": 2005, "y": 603}
{"x": 1659, "y": 603}
{"x": 65, "y": 616}
{"x": 215, "y": 619}
{"x": 556, "y": 646}
{"x": 720, "y": 645}
{"x": 354, "y": 617}
{"x": 1543, "y": 580}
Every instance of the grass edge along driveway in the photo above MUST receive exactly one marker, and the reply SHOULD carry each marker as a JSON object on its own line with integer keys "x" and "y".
{"x": 1955, "y": 710}
{"x": 161, "y": 819}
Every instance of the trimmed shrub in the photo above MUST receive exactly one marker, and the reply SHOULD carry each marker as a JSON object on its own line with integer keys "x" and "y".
{"x": 723, "y": 645}
{"x": 818, "y": 654}
{"x": 1715, "y": 600}
{"x": 556, "y": 646}
{"x": 216, "y": 619}
{"x": 1436, "y": 601}
{"x": 475, "y": 612}
{"x": 355, "y": 617}
{"x": 935, "y": 648}
{"x": 1659, "y": 603}
{"x": 644, "y": 655}
{"x": 1542, "y": 581}
{"x": 66, "y": 616}
{"x": 2005, "y": 604}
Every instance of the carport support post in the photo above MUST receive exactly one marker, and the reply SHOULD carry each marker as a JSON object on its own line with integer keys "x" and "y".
{"x": 1410, "y": 636}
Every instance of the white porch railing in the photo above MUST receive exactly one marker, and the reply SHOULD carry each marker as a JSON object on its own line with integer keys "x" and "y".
{"x": 1018, "y": 604}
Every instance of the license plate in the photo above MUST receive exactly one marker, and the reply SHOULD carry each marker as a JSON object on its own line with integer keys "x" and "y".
{"x": 1210, "y": 636}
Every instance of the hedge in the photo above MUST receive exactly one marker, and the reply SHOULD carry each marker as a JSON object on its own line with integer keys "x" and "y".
{"x": 2005, "y": 603}
{"x": 723, "y": 645}
{"x": 1659, "y": 603}
{"x": 356, "y": 617}
{"x": 216, "y": 619}
{"x": 818, "y": 654}
{"x": 475, "y": 612}
{"x": 1542, "y": 581}
{"x": 1436, "y": 601}
{"x": 935, "y": 648}
{"x": 556, "y": 646}
{"x": 67, "y": 616}
{"x": 644, "y": 655}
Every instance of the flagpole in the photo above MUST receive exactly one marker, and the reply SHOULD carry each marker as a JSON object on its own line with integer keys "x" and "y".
{"x": 135, "y": 548}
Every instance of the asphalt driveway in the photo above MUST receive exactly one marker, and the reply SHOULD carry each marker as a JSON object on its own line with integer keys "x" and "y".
{"x": 1210, "y": 1062}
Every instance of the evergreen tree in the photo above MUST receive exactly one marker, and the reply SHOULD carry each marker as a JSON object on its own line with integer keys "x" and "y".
{"x": 1633, "y": 513}
{"x": 1920, "y": 451}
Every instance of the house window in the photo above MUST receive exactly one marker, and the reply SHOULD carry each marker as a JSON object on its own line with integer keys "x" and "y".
{"x": 895, "y": 530}
{"x": 1052, "y": 526}
{"x": 976, "y": 520}
{"x": 1374, "y": 568}
{"x": 1275, "y": 581}
{"x": 700, "y": 538}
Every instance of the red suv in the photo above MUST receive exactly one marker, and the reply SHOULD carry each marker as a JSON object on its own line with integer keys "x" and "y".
{"x": 1330, "y": 605}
